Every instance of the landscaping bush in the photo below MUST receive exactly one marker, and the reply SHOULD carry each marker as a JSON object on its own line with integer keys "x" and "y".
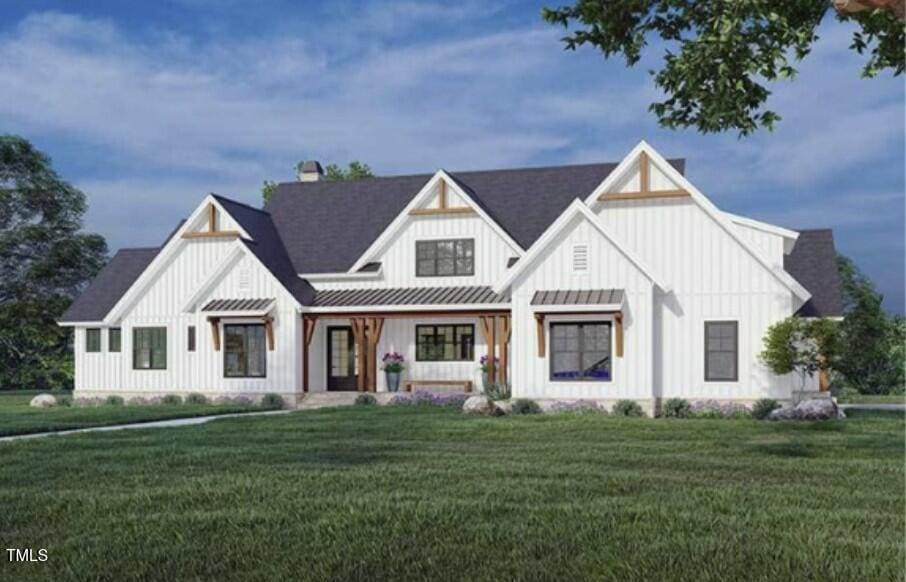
{"x": 272, "y": 400}
{"x": 764, "y": 407}
{"x": 525, "y": 406}
{"x": 171, "y": 400}
{"x": 627, "y": 408}
{"x": 714, "y": 409}
{"x": 365, "y": 400}
{"x": 578, "y": 407}
{"x": 677, "y": 408}
{"x": 498, "y": 391}
{"x": 234, "y": 400}
{"x": 114, "y": 400}
{"x": 425, "y": 398}
{"x": 64, "y": 401}
{"x": 94, "y": 401}
{"x": 196, "y": 398}
{"x": 846, "y": 394}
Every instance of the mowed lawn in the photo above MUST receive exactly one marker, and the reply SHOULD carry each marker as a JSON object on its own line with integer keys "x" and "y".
{"x": 368, "y": 493}
{"x": 17, "y": 417}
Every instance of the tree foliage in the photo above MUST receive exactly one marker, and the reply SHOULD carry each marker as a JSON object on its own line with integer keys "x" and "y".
{"x": 871, "y": 360}
{"x": 356, "y": 170}
{"x": 801, "y": 346}
{"x": 45, "y": 261}
{"x": 720, "y": 56}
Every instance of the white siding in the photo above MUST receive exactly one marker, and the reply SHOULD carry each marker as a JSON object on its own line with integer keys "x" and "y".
{"x": 769, "y": 245}
{"x": 610, "y": 269}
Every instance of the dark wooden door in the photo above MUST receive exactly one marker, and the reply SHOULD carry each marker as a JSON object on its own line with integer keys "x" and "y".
{"x": 341, "y": 359}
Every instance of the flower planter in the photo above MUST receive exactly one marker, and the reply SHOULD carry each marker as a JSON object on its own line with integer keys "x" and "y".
{"x": 393, "y": 381}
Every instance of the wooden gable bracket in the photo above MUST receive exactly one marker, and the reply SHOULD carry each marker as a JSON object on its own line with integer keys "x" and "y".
{"x": 645, "y": 191}
{"x": 212, "y": 231}
{"x": 442, "y": 204}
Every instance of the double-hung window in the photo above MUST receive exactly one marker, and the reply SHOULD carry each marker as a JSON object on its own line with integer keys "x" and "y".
{"x": 444, "y": 343}
{"x": 445, "y": 258}
{"x": 114, "y": 339}
{"x": 149, "y": 348}
{"x": 721, "y": 351}
{"x": 243, "y": 354}
{"x": 93, "y": 340}
{"x": 581, "y": 351}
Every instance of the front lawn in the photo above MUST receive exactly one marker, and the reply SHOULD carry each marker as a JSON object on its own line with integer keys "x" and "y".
{"x": 379, "y": 493}
{"x": 17, "y": 417}
{"x": 873, "y": 399}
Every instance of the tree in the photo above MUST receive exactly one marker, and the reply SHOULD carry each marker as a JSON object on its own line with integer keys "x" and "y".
{"x": 719, "y": 56}
{"x": 869, "y": 360}
{"x": 45, "y": 261}
{"x": 801, "y": 346}
{"x": 332, "y": 173}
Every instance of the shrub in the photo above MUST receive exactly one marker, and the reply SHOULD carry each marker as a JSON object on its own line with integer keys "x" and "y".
{"x": 234, "y": 400}
{"x": 271, "y": 400}
{"x": 114, "y": 400}
{"x": 846, "y": 394}
{"x": 401, "y": 400}
{"x": 714, "y": 409}
{"x": 578, "y": 407}
{"x": 763, "y": 408}
{"x": 525, "y": 406}
{"x": 171, "y": 400}
{"x": 677, "y": 408}
{"x": 196, "y": 398}
{"x": 95, "y": 401}
{"x": 365, "y": 400}
{"x": 425, "y": 398}
{"x": 64, "y": 401}
{"x": 627, "y": 408}
{"x": 498, "y": 391}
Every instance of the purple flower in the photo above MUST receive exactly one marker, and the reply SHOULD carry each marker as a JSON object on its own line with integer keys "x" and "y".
{"x": 393, "y": 362}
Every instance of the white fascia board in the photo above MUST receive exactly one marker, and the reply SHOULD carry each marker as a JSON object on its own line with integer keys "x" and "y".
{"x": 576, "y": 208}
{"x": 82, "y": 324}
{"x": 405, "y": 308}
{"x": 162, "y": 259}
{"x": 404, "y": 217}
{"x": 703, "y": 202}
{"x": 343, "y": 276}
{"x": 222, "y": 269}
{"x": 763, "y": 226}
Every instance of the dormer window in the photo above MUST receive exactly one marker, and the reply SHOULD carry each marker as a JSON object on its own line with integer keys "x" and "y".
{"x": 580, "y": 259}
{"x": 445, "y": 258}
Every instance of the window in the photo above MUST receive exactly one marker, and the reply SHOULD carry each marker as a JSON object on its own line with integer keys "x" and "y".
{"x": 92, "y": 340}
{"x": 580, "y": 258}
{"x": 444, "y": 343}
{"x": 721, "y": 351}
{"x": 149, "y": 348}
{"x": 190, "y": 340}
{"x": 580, "y": 351}
{"x": 439, "y": 258}
{"x": 243, "y": 354}
{"x": 114, "y": 339}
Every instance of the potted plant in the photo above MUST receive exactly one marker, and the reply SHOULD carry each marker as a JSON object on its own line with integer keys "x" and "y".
{"x": 483, "y": 364}
{"x": 393, "y": 367}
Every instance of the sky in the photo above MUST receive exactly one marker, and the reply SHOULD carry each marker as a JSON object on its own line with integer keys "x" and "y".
{"x": 146, "y": 107}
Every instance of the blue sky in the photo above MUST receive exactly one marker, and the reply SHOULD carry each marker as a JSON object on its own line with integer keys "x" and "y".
{"x": 147, "y": 108}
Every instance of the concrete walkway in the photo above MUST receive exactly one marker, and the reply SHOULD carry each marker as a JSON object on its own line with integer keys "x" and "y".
{"x": 892, "y": 407}
{"x": 153, "y": 424}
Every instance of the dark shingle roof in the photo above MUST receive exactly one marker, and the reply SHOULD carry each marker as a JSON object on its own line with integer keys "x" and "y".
{"x": 408, "y": 296}
{"x": 326, "y": 226}
{"x": 813, "y": 262}
{"x": 110, "y": 284}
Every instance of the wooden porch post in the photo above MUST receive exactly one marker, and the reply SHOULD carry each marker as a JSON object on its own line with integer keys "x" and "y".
{"x": 539, "y": 331}
{"x": 215, "y": 332}
{"x": 488, "y": 328}
{"x": 503, "y": 339}
{"x": 308, "y": 332}
{"x": 375, "y": 326}
{"x": 618, "y": 319}
{"x": 358, "y": 332}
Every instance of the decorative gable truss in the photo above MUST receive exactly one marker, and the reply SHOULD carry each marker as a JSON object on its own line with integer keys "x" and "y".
{"x": 214, "y": 216}
{"x": 645, "y": 174}
{"x": 440, "y": 196}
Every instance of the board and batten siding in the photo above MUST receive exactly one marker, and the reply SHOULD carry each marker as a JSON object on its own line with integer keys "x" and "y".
{"x": 713, "y": 278}
{"x": 609, "y": 269}
{"x": 768, "y": 244}
{"x": 202, "y": 370}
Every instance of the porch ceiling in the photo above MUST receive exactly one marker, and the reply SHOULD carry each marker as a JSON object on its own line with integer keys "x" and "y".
{"x": 474, "y": 295}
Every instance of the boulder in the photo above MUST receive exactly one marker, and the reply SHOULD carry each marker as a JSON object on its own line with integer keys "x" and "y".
{"x": 43, "y": 401}
{"x": 481, "y": 405}
{"x": 818, "y": 409}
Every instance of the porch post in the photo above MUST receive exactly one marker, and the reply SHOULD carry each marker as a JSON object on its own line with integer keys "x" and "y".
{"x": 618, "y": 319}
{"x": 539, "y": 331}
{"x": 503, "y": 339}
{"x": 358, "y": 333}
{"x": 375, "y": 326}
{"x": 488, "y": 328}
{"x": 308, "y": 332}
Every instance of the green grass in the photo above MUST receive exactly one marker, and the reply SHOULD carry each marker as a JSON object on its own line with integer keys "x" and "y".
{"x": 17, "y": 417}
{"x": 378, "y": 493}
{"x": 874, "y": 399}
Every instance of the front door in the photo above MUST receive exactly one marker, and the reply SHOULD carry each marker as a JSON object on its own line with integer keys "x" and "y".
{"x": 341, "y": 359}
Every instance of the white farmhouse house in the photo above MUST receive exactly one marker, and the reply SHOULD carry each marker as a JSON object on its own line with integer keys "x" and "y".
{"x": 597, "y": 281}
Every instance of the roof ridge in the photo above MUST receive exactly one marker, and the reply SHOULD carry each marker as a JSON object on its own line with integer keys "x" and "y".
{"x": 243, "y": 204}
{"x": 119, "y": 250}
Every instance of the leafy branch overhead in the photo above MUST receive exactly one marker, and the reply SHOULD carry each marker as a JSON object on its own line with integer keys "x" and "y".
{"x": 719, "y": 57}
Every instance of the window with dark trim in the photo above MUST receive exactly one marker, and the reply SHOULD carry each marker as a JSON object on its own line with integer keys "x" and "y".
{"x": 444, "y": 343}
{"x": 149, "y": 348}
{"x": 445, "y": 258}
{"x": 93, "y": 340}
{"x": 190, "y": 339}
{"x": 721, "y": 351}
{"x": 581, "y": 351}
{"x": 243, "y": 353}
{"x": 114, "y": 339}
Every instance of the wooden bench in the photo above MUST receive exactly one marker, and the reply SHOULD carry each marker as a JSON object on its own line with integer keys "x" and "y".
{"x": 466, "y": 384}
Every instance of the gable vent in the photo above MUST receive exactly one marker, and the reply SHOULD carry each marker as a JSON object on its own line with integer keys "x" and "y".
{"x": 244, "y": 278}
{"x": 580, "y": 258}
